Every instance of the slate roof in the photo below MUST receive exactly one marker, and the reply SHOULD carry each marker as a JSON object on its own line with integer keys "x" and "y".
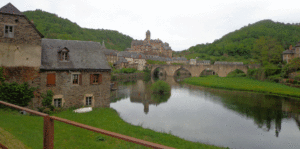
{"x": 83, "y": 55}
{"x": 288, "y": 52}
{"x": 109, "y": 52}
{"x": 124, "y": 54}
{"x": 12, "y": 10}
{"x": 137, "y": 56}
{"x": 121, "y": 60}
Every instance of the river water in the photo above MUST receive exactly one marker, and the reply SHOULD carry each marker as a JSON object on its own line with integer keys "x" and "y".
{"x": 225, "y": 118}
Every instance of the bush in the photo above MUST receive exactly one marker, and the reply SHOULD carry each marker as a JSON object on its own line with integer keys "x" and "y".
{"x": 236, "y": 73}
{"x": 18, "y": 94}
{"x": 275, "y": 78}
{"x": 161, "y": 87}
{"x": 47, "y": 99}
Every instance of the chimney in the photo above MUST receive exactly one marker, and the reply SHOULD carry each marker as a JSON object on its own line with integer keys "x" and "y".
{"x": 291, "y": 47}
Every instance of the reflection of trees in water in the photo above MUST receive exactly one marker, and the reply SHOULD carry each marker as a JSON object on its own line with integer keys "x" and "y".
{"x": 267, "y": 111}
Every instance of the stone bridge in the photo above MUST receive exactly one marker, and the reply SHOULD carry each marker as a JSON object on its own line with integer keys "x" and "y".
{"x": 221, "y": 69}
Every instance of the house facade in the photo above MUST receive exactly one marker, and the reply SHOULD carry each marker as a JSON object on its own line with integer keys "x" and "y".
{"x": 20, "y": 48}
{"x": 292, "y": 52}
{"x": 76, "y": 71}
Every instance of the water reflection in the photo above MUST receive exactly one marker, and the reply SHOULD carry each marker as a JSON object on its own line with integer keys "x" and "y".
{"x": 138, "y": 92}
{"x": 226, "y": 118}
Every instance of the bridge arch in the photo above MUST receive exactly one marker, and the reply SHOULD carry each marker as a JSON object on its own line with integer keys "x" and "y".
{"x": 182, "y": 70}
{"x": 208, "y": 71}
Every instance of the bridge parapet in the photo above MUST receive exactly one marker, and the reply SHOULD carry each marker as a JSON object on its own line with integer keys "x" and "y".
{"x": 228, "y": 63}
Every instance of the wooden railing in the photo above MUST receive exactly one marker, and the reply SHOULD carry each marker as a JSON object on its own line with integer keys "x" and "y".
{"x": 49, "y": 130}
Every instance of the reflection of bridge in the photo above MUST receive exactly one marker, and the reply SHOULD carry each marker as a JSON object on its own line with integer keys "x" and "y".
{"x": 221, "y": 69}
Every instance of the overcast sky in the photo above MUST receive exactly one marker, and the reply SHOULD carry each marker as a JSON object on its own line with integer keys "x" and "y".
{"x": 182, "y": 24}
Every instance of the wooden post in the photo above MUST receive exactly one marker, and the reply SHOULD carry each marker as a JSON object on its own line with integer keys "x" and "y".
{"x": 48, "y": 133}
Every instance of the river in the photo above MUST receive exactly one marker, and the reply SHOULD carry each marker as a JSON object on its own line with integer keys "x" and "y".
{"x": 225, "y": 118}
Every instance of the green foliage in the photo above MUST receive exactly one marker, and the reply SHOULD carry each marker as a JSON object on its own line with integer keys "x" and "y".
{"x": 125, "y": 70}
{"x": 54, "y": 27}
{"x": 147, "y": 74}
{"x": 293, "y": 66}
{"x": 156, "y": 62}
{"x": 47, "y": 99}
{"x": 1, "y": 75}
{"x": 246, "y": 43}
{"x": 18, "y": 94}
{"x": 275, "y": 78}
{"x": 236, "y": 73}
{"x": 161, "y": 87}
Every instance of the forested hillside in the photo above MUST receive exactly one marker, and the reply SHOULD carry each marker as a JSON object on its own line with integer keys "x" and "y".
{"x": 54, "y": 27}
{"x": 260, "y": 42}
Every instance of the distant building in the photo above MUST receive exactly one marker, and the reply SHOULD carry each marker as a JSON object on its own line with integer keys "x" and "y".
{"x": 292, "y": 52}
{"x": 150, "y": 47}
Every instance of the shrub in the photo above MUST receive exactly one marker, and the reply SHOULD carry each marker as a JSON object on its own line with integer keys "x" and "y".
{"x": 160, "y": 87}
{"x": 47, "y": 99}
{"x": 18, "y": 94}
{"x": 236, "y": 73}
{"x": 275, "y": 78}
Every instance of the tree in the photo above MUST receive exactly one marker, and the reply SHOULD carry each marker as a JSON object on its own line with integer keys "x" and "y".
{"x": 267, "y": 50}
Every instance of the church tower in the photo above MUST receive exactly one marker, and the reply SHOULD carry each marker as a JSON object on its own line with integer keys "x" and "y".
{"x": 148, "y": 35}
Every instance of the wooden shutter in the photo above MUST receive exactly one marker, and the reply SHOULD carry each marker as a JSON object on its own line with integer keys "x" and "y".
{"x": 100, "y": 79}
{"x": 80, "y": 79}
{"x": 51, "y": 79}
{"x": 91, "y": 78}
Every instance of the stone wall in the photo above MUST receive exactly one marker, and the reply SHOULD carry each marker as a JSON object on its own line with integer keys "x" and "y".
{"x": 24, "y": 32}
{"x": 75, "y": 95}
{"x": 30, "y": 75}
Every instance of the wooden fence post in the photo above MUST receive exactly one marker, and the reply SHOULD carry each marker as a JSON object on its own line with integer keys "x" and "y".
{"x": 48, "y": 133}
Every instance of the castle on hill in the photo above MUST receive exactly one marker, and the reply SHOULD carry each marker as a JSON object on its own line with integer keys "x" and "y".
{"x": 151, "y": 47}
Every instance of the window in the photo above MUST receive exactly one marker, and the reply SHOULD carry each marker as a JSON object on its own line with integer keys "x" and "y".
{"x": 75, "y": 79}
{"x": 88, "y": 101}
{"x": 9, "y": 31}
{"x": 57, "y": 102}
{"x": 51, "y": 77}
{"x": 96, "y": 78}
{"x": 63, "y": 54}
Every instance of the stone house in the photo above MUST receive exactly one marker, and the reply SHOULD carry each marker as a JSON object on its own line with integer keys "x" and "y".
{"x": 20, "y": 48}
{"x": 111, "y": 55}
{"x": 121, "y": 63}
{"x": 292, "y": 52}
{"x": 76, "y": 71}
{"x": 140, "y": 60}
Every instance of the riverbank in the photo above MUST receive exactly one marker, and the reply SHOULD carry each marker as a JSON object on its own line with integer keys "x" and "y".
{"x": 30, "y": 132}
{"x": 244, "y": 84}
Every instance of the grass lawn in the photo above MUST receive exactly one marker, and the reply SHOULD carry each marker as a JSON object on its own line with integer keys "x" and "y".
{"x": 244, "y": 84}
{"x": 29, "y": 130}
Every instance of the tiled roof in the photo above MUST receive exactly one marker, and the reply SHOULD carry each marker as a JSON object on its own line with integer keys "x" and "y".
{"x": 82, "y": 55}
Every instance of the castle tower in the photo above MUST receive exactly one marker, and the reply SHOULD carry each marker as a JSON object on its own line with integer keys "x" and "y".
{"x": 148, "y": 35}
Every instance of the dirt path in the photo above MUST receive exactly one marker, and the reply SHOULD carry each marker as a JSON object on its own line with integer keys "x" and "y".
{"x": 10, "y": 141}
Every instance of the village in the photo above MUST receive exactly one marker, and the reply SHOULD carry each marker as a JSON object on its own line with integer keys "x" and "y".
{"x": 80, "y": 74}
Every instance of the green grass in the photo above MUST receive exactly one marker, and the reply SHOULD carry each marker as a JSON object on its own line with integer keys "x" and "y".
{"x": 29, "y": 129}
{"x": 156, "y": 62}
{"x": 244, "y": 84}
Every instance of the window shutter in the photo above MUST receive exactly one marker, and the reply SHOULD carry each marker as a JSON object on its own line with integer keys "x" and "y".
{"x": 80, "y": 79}
{"x": 100, "y": 78}
{"x": 91, "y": 78}
{"x": 51, "y": 79}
